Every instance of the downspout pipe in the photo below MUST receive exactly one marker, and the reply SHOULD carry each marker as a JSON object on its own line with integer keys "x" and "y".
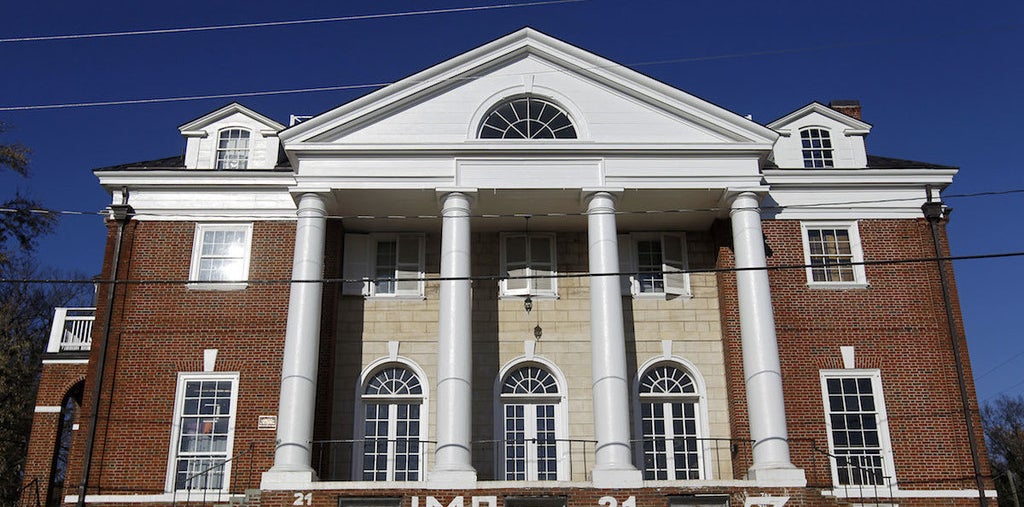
{"x": 122, "y": 214}
{"x": 935, "y": 212}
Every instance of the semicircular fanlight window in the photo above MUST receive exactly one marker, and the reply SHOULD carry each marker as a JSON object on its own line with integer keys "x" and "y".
{"x": 527, "y": 118}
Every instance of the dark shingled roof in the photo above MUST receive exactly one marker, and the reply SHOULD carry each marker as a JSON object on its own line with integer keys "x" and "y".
{"x": 876, "y": 162}
{"x": 177, "y": 162}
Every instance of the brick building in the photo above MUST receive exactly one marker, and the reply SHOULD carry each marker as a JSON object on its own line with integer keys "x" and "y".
{"x": 524, "y": 276}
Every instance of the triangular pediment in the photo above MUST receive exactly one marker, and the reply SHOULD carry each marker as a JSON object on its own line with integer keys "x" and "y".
{"x": 232, "y": 109}
{"x": 815, "y": 110}
{"x": 444, "y": 105}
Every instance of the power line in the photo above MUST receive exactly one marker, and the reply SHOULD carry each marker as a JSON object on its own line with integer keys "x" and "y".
{"x": 495, "y": 277}
{"x": 209, "y": 28}
{"x": 184, "y": 98}
{"x": 1000, "y": 365}
{"x": 291, "y": 217}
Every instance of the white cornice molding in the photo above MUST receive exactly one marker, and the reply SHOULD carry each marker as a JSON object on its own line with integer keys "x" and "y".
{"x": 195, "y": 178}
{"x": 535, "y": 148}
{"x": 857, "y": 177}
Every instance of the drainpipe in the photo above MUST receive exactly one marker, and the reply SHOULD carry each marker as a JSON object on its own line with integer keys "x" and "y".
{"x": 935, "y": 212}
{"x": 121, "y": 213}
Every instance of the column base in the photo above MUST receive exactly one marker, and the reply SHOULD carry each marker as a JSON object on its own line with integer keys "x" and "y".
{"x": 782, "y": 476}
{"x": 284, "y": 478}
{"x": 617, "y": 478}
{"x": 451, "y": 479}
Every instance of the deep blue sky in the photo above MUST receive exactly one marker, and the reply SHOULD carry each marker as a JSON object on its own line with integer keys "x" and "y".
{"x": 940, "y": 82}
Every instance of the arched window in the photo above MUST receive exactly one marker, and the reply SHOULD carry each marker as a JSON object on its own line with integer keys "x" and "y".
{"x": 233, "y": 149}
{"x": 527, "y": 118}
{"x": 670, "y": 424}
{"x": 392, "y": 402}
{"x": 65, "y": 430}
{"x": 530, "y": 399}
{"x": 817, "y": 147}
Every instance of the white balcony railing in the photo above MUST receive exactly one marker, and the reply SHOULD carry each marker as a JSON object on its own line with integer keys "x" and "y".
{"x": 72, "y": 330}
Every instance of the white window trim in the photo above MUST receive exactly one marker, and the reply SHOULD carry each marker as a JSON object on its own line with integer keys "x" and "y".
{"x": 628, "y": 262}
{"x": 831, "y": 150}
{"x": 707, "y": 463}
{"x": 561, "y": 401}
{"x": 248, "y": 149}
{"x": 359, "y": 432}
{"x": 888, "y": 465}
{"x": 860, "y": 278}
{"x": 530, "y": 290}
{"x": 179, "y": 401}
{"x": 197, "y": 250}
{"x": 361, "y": 263}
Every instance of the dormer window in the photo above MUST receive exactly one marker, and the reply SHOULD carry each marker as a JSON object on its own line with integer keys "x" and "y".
{"x": 817, "y": 147}
{"x": 233, "y": 149}
{"x": 527, "y": 118}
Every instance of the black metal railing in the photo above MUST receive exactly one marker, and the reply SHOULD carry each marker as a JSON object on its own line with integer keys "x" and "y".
{"x": 28, "y": 494}
{"x": 525, "y": 460}
{"x": 195, "y": 486}
{"x": 860, "y": 473}
{"x": 691, "y": 458}
{"x": 401, "y": 459}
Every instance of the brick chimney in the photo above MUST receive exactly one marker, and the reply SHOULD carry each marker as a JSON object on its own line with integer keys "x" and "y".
{"x": 850, "y": 108}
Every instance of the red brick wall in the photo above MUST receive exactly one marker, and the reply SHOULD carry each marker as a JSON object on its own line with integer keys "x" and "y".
{"x": 160, "y": 329}
{"x": 55, "y": 382}
{"x": 897, "y": 325}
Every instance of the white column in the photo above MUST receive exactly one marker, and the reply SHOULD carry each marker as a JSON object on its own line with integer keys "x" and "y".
{"x": 766, "y": 409}
{"x": 613, "y": 462}
{"x": 301, "y": 348}
{"x": 453, "y": 466}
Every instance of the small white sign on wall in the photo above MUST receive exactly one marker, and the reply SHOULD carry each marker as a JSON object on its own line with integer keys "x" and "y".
{"x": 266, "y": 422}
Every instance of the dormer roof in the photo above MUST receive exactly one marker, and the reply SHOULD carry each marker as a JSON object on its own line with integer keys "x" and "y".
{"x": 853, "y": 125}
{"x": 195, "y": 127}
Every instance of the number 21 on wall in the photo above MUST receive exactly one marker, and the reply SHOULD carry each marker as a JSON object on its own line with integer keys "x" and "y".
{"x": 607, "y": 501}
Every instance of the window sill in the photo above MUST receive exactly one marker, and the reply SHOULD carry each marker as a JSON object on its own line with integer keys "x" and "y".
{"x": 663, "y": 296}
{"x": 535, "y": 297}
{"x": 390, "y": 297}
{"x": 217, "y": 287}
{"x": 838, "y": 285}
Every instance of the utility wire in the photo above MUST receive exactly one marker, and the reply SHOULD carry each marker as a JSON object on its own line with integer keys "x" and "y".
{"x": 1000, "y": 365}
{"x": 290, "y": 217}
{"x": 471, "y": 78}
{"x": 278, "y": 281}
{"x": 209, "y": 28}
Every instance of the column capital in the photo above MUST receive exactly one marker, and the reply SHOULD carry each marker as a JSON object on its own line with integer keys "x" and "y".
{"x": 589, "y": 193}
{"x": 444, "y": 192}
{"x": 325, "y": 195}
{"x": 731, "y": 195}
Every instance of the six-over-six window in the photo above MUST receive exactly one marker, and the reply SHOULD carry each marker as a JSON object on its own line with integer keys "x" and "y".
{"x": 832, "y": 254}
{"x": 220, "y": 255}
